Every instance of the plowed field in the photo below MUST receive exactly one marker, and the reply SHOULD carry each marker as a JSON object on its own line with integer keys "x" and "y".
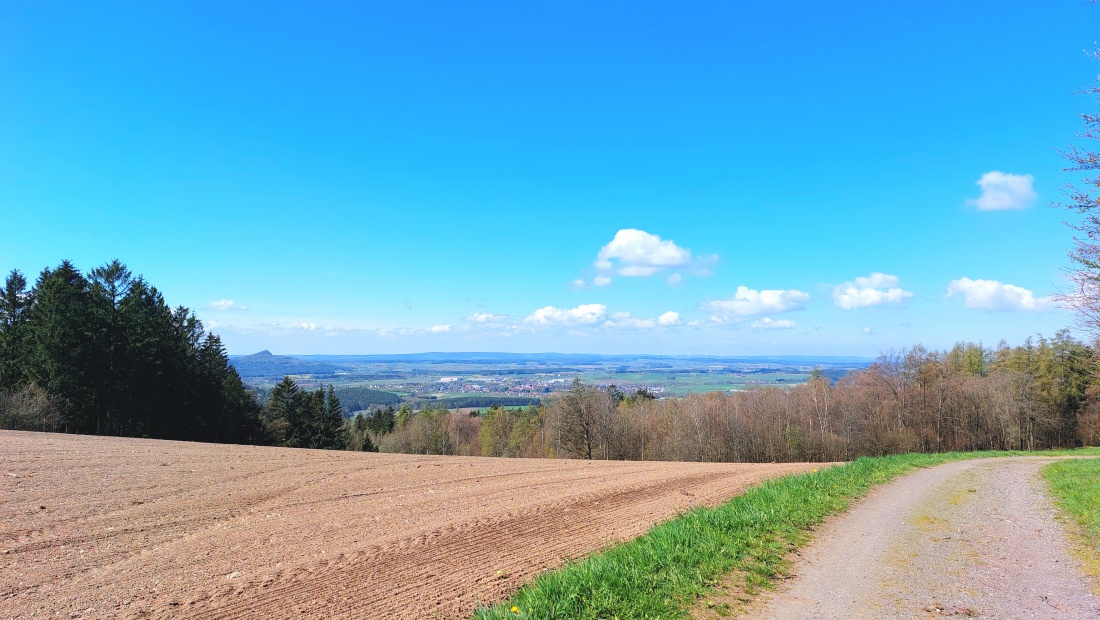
{"x": 94, "y": 527}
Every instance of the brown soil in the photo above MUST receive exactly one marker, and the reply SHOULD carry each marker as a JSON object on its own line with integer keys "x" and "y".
{"x": 107, "y": 527}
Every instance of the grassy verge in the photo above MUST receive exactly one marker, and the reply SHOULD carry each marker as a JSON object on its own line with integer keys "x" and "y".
{"x": 661, "y": 574}
{"x": 1076, "y": 489}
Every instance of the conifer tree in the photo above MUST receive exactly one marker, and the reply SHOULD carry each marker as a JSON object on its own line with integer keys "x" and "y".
{"x": 277, "y": 410}
{"x": 14, "y": 301}
{"x": 61, "y": 345}
{"x": 333, "y": 423}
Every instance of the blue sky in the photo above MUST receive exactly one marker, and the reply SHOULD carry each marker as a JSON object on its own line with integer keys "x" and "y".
{"x": 717, "y": 178}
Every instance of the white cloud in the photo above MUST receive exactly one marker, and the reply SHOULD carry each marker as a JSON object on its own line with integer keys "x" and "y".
{"x": 579, "y": 284}
{"x": 669, "y": 318}
{"x": 309, "y": 327}
{"x": 868, "y": 331}
{"x": 766, "y": 323}
{"x": 874, "y": 290}
{"x": 602, "y": 281}
{"x": 749, "y": 302}
{"x": 640, "y": 254}
{"x": 224, "y": 304}
{"x": 439, "y": 329}
{"x": 1002, "y": 191}
{"x": 584, "y": 314}
{"x": 624, "y": 319}
{"x": 995, "y": 296}
{"x": 486, "y": 317}
{"x": 674, "y": 279}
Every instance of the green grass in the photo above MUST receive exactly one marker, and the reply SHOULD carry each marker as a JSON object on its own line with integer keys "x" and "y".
{"x": 663, "y": 573}
{"x": 1076, "y": 489}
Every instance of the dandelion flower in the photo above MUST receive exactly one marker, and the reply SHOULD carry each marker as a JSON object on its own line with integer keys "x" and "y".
{"x": 515, "y": 609}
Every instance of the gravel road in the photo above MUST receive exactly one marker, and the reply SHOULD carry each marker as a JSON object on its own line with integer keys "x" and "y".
{"x": 975, "y": 539}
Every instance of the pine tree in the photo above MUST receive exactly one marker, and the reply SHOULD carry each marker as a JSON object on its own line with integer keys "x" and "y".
{"x": 109, "y": 286}
{"x": 154, "y": 372}
{"x": 334, "y": 437}
{"x": 61, "y": 345}
{"x": 359, "y": 434}
{"x": 14, "y": 303}
{"x": 277, "y": 411}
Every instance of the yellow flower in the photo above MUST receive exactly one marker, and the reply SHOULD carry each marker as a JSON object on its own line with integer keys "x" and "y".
{"x": 515, "y": 609}
{"x": 815, "y": 470}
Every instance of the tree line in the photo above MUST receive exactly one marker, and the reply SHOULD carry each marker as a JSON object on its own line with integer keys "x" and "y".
{"x": 104, "y": 354}
{"x": 1042, "y": 394}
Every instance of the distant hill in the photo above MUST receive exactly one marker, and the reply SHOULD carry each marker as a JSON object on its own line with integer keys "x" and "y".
{"x": 357, "y": 398}
{"x": 464, "y": 402}
{"x": 265, "y": 364}
{"x": 588, "y": 358}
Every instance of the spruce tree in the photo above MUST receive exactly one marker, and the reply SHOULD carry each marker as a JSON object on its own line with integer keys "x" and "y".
{"x": 14, "y": 302}
{"x": 277, "y": 411}
{"x": 61, "y": 345}
{"x": 109, "y": 286}
{"x": 334, "y": 437}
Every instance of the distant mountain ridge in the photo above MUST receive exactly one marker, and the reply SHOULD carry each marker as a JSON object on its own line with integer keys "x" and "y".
{"x": 267, "y": 364}
{"x": 582, "y": 358}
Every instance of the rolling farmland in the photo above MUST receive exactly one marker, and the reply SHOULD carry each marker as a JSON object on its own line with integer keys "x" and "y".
{"x": 98, "y": 527}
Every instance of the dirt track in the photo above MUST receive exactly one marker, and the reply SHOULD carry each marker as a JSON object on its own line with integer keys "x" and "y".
{"x": 103, "y": 527}
{"x": 966, "y": 539}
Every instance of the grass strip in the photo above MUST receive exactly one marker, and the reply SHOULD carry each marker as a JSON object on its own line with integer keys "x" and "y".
{"x": 662, "y": 573}
{"x": 1076, "y": 489}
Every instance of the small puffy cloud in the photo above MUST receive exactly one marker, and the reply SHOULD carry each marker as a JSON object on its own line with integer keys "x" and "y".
{"x": 867, "y": 331}
{"x": 669, "y": 318}
{"x": 309, "y": 327}
{"x": 749, "y": 302}
{"x": 766, "y": 323}
{"x": 224, "y": 304}
{"x": 602, "y": 281}
{"x": 486, "y": 317}
{"x": 674, "y": 279}
{"x": 584, "y": 314}
{"x": 624, "y": 319}
{"x": 439, "y": 329}
{"x": 873, "y": 290}
{"x": 1002, "y": 191}
{"x": 637, "y": 253}
{"x": 995, "y": 296}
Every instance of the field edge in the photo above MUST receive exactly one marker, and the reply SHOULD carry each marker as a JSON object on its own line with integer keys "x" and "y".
{"x": 1075, "y": 488}
{"x": 741, "y": 546}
